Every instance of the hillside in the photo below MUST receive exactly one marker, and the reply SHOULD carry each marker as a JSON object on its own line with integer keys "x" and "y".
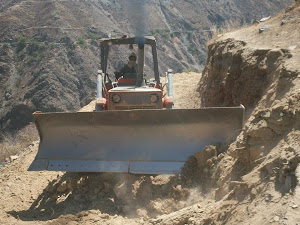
{"x": 254, "y": 180}
{"x": 49, "y": 52}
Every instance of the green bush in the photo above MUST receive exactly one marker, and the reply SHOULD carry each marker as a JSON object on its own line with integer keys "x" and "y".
{"x": 192, "y": 49}
{"x": 177, "y": 33}
{"x": 94, "y": 36}
{"x": 34, "y": 54}
{"x": 21, "y": 69}
{"x": 5, "y": 46}
{"x": 189, "y": 70}
{"x": 21, "y": 44}
{"x": 164, "y": 33}
{"x": 37, "y": 58}
{"x": 22, "y": 54}
{"x": 36, "y": 50}
{"x": 160, "y": 32}
{"x": 42, "y": 47}
{"x": 33, "y": 47}
{"x": 80, "y": 41}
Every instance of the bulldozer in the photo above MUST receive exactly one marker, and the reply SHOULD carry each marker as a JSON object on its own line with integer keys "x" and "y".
{"x": 134, "y": 127}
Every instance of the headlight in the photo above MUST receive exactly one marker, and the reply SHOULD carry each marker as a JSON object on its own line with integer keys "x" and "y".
{"x": 154, "y": 98}
{"x": 116, "y": 98}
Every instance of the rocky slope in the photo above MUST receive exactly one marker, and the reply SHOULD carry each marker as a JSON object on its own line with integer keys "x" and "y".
{"x": 49, "y": 53}
{"x": 260, "y": 171}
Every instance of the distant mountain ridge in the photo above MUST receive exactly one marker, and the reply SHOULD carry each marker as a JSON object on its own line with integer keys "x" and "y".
{"x": 49, "y": 52}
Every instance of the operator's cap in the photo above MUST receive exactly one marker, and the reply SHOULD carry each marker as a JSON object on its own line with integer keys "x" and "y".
{"x": 132, "y": 55}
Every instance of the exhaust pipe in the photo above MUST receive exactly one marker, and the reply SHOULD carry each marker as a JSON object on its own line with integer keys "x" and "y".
{"x": 141, "y": 61}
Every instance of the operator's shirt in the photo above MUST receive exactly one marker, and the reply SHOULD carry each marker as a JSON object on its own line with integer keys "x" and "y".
{"x": 127, "y": 69}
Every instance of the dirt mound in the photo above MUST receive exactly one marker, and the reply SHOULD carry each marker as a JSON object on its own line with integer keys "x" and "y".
{"x": 71, "y": 198}
{"x": 260, "y": 170}
{"x": 58, "y": 198}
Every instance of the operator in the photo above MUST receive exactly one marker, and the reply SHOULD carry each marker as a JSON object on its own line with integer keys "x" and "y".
{"x": 131, "y": 67}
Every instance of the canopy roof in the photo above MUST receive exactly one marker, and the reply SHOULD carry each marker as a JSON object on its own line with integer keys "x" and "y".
{"x": 105, "y": 44}
{"x": 128, "y": 40}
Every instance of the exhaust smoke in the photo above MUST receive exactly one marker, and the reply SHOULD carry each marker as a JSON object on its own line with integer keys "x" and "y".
{"x": 137, "y": 16}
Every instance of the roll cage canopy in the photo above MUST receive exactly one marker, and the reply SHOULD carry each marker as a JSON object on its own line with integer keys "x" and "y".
{"x": 106, "y": 43}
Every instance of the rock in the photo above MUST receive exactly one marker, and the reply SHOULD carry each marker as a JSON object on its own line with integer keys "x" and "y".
{"x": 265, "y": 19}
{"x": 104, "y": 216}
{"x": 294, "y": 206}
{"x": 82, "y": 214}
{"x": 13, "y": 157}
{"x": 220, "y": 156}
{"x": 263, "y": 28}
{"x": 253, "y": 193}
{"x": 62, "y": 187}
{"x": 191, "y": 220}
{"x": 72, "y": 223}
{"x": 276, "y": 218}
{"x": 7, "y": 96}
{"x": 142, "y": 213}
{"x": 180, "y": 193}
{"x": 283, "y": 22}
{"x": 290, "y": 8}
{"x": 207, "y": 153}
{"x": 260, "y": 130}
{"x": 266, "y": 115}
{"x": 293, "y": 47}
{"x": 267, "y": 199}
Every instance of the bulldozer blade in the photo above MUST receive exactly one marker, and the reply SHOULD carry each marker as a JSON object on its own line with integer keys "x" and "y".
{"x": 134, "y": 141}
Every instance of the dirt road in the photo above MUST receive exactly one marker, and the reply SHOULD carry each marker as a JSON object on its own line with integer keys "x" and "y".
{"x": 60, "y": 198}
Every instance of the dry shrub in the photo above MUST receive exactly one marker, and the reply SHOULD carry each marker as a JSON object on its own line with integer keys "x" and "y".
{"x": 11, "y": 144}
{"x": 229, "y": 26}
